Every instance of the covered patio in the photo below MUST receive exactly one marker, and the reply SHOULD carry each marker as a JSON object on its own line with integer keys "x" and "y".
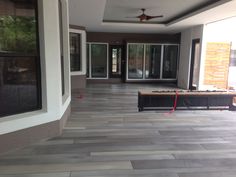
{"x": 107, "y": 136}
{"x": 70, "y": 72}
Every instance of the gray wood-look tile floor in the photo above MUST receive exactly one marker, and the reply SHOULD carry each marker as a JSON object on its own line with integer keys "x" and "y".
{"x": 107, "y": 137}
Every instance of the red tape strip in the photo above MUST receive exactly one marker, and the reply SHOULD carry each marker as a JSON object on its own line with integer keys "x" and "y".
{"x": 175, "y": 102}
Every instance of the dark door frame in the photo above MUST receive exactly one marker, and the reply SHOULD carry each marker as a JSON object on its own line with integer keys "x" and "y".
{"x": 122, "y": 75}
{"x": 194, "y": 42}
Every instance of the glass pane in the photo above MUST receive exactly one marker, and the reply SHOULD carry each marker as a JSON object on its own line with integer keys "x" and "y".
{"x": 170, "y": 61}
{"x": 18, "y": 27}
{"x": 196, "y": 65}
{"x": 233, "y": 58}
{"x": 116, "y": 61}
{"x": 19, "y": 61}
{"x": 61, "y": 46}
{"x": 135, "y": 58}
{"x": 18, "y": 85}
{"x": 152, "y": 61}
{"x": 88, "y": 56}
{"x": 75, "y": 52}
{"x": 99, "y": 60}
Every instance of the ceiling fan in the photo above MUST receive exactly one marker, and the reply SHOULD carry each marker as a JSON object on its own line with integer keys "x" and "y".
{"x": 145, "y": 17}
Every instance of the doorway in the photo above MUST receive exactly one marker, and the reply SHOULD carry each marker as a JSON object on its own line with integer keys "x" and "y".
{"x": 195, "y": 65}
{"x": 117, "y": 62}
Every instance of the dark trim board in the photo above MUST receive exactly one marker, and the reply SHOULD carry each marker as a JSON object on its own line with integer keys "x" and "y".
{"x": 104, "y": 81}
{"x": 77, "y": 27}
{"x": 123, "y": 38}
{"x": 186, "y": 100}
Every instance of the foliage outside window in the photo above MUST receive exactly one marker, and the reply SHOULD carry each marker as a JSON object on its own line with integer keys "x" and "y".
{"x": 18, "y": 34}
{"x": 20, "y": 86}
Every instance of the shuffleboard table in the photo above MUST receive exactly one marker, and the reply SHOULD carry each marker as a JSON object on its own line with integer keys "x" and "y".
{"x": 194, "y": 100}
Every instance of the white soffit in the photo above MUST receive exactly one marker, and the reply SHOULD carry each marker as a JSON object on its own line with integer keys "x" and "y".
{"x": 120, "y": 10}
{"x": 90, "y": 14}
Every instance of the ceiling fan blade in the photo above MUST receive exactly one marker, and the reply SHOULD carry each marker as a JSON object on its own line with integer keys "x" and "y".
{"x": 144, "y": 17}
{"x": 133, "y": 17}
{"x": 151, "y": 17}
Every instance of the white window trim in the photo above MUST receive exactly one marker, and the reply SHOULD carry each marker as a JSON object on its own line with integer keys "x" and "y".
{"x": 161, "y": 67}
{"x": 83, "y": 52}
{"x": 66, "y": 53}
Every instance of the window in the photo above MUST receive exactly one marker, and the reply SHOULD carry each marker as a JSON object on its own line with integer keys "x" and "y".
{"x": 78, "y": 52}
{"x": 20, "y": 86}
{"x": 75, "y": 52}
{"x": 88, "y": 60}
{"x": 61, "y": 47}
{"x": 98, "y": 60}
{"x": 152, "y": 61}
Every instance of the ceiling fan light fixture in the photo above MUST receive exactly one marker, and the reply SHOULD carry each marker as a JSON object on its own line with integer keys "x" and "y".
{"x": 144, "y": 17}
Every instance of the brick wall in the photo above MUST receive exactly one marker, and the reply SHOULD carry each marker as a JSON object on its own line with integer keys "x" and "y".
{"x": 217, "y": 64}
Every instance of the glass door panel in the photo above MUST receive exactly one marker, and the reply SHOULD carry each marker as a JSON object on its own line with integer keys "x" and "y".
{"x": 170, "y": 61}
{"x": 135, "y": 61}
{"x": 88, "y": 60}
{"x": 116, "y": 65}
{"x": 152, "y": 61}
{"x": 99, "y": 60}
{"x": 196, "y": 67}
{"x": 116, "y": 61}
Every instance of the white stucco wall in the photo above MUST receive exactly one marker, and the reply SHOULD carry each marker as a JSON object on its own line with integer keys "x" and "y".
{"x": 185, "y": 53}
{"x": 54, "y": 105}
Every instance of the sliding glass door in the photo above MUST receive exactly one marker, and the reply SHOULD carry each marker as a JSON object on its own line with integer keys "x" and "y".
{"x": 152, "y": 61}
{"x": 97, "y": 60}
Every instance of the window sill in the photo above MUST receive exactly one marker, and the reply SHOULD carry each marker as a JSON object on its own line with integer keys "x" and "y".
{"x": 77, "y": 73}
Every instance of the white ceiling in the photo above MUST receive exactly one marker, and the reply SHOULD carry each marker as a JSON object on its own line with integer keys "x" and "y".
{"x": 119, "y": 10}
{"x": 91, "y": 13}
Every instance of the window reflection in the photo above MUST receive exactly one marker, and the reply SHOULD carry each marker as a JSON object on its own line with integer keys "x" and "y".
{"x": 19, "y": 60}
{"x": 152, "y": 61}
{"x": 75, "y": 52}
{"x": 88, "y": 62}
{"x": 99, "y": 60}
{"x": 170, "y": 61}
{"x": 135, "y": 61}
{"x": 116, "y": 61}
{"x": 61, "y": 47}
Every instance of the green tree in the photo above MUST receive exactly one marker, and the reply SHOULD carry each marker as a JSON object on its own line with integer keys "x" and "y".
{"x": 18, "y": 34}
